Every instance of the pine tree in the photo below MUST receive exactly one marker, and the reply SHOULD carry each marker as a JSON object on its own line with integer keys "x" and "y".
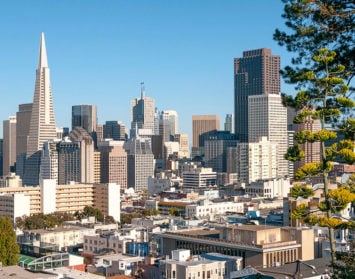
{"x": 315, "y": 24}
{"x": 324, "y": 99}
{"x": 9, "y": 248}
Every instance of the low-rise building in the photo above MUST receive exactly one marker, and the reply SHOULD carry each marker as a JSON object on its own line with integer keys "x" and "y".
{"x": 212, "y": 265}
{"x": 14, "y": 205}
{"x": 258, "y": 245}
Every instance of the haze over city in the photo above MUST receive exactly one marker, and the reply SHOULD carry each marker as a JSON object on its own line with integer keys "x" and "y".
{"x": 100, "y": 52}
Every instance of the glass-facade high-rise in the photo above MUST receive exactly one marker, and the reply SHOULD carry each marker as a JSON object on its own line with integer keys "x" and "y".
{"x": 84, "y": 116}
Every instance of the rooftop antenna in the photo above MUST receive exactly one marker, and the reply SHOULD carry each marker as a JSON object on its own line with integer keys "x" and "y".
{"x": 142, "y": 90}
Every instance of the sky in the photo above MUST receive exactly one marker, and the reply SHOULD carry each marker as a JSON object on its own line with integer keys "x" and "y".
{"x": 100, "y": 51}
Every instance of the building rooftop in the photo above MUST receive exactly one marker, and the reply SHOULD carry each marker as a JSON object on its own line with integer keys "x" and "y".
{"x": 308, "y": 269}
{"x": 14, "y": 271}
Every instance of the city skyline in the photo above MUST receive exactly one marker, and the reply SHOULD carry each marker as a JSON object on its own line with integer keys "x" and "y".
{"x": 182, "y": 51}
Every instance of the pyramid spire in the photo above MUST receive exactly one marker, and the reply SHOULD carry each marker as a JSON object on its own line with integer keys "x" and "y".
{"x": 42, "y": 125}
{"x": 42, "y": 59}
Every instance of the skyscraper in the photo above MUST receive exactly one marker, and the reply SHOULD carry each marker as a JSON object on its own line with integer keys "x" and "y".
{"x": 23, "y": 118}
{"x": 202, "y": 124}
{"x": 140, "y": 163}
{"x": 42, "y": 124}
{"x": 268, "y": 118}
{"x": 256, "y": 73}
{"x": 229, "y": 123}
{"x": 113, "y": 163}
{"x": 172, "y": 117}
{"x": 9, "y": 145}
{"x": 215, "y": 147}
{"x": 84, "y": 116}
{"x": 42, "y": 127}
{"x": 115, "y": 130}
{"x": 1, "y": 156}
{"x": 143, "y": 112}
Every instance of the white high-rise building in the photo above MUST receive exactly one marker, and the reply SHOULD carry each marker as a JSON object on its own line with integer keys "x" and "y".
{"x": 49, "y": 161}
{"x": 254, "y": 161}
{"x": 140, "y": 163}
{"x": 172, "y": 117}
{"x": 267, "y": 117}
{"x": 42, "y": 127}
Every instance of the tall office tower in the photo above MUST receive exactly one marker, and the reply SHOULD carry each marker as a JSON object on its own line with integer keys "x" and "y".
{"x": 200, "y": 125}
{"x": 268, "y": 118}
{"x": 23, "y": 117}
{"x": 62, "y": 132}
{"x": 9, "y": 145}
{"x": 256, "y": 73}
{"x": 143, "y": 112}
{"x": 156, "y": 121}
{"x": 80, "y": 135}
{"x": 68, "y": 161}
{"x": 84, "y": 116}
{"x": 76, "y": 157}
{"x": 311, "y": 150}
{"x": 99, "y": 133}
{"x": 165, "y": 129}
{"x": 229, "y": 123}
{"x": 183, "y": 140}
{"x": 140, "y": 163}
{"x": 1, "y": 157}
{"x": 253, "y": 161}
{"x": 115, "y": 130}
{"x": 215, "y": 146}
{"x": 172, "y": 117}
{"x": 113, "y": 162}
{"x": 97, "y": 167}
{"x": 42, "y": 124}
{"x": 49, "y": 161}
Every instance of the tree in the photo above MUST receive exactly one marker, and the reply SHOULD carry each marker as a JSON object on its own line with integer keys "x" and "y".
{"x": 323, "y": 100}
{"x": 92, "y": 211}
{"x": 9, "y": 248}
{"x": 315, "y": 24}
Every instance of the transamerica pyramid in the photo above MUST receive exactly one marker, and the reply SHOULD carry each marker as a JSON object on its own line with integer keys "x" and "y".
{"x": 42, "y": 127}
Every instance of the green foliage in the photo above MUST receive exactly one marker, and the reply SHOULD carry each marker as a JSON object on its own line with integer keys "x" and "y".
{"x": 9, "y": 248}
{"x": 299, "y": 190}
{"x": 41, "y": 221}
{"x": 314, "y": 24}
{"x": 294, "y": 153}
{"x": 340, "y": 198}
{"x": 174, "y": 211}
{"x": 300, "y": 212}
{"x": 311, "y": 169}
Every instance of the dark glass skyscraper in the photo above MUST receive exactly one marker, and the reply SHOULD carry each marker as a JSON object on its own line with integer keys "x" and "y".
{"x": 256, "y": 73}
{"x": 84, "y": 116}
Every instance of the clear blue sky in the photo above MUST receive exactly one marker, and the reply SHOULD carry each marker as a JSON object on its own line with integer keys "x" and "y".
{"x": 100, "y": 51}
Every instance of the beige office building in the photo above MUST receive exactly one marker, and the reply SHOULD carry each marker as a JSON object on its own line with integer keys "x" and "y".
{"x": 113, "y": 159}
{"x": 50, "y": 197}
{"x": 258, "y": 245}
{"x": 200, "y": 125}
{"x": 23, "y": 117}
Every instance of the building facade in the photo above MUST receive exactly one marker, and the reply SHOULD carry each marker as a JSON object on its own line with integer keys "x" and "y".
{"x": 9, "y": 145}
{"x": 84, "y": 116}
{"x": 268, "y": 118}
{"x": 256, "y": 73}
